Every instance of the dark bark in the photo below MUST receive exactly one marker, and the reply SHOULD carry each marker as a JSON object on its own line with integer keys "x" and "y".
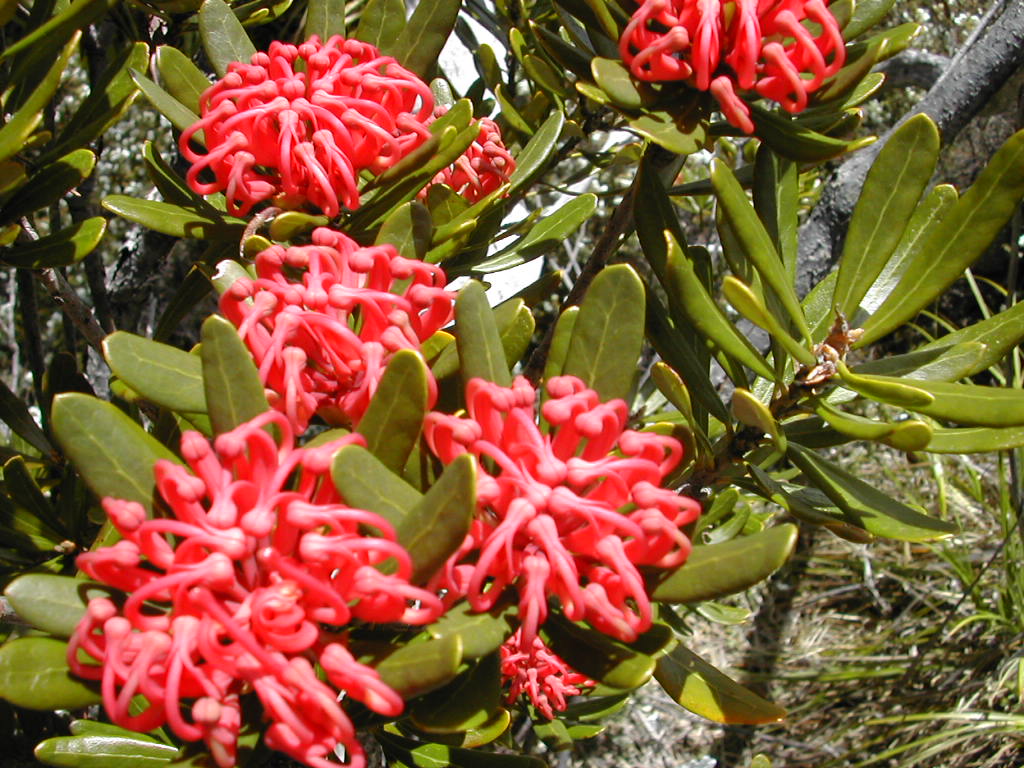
{"x": 912, "y": 67}
{"x": 994, "y": 52}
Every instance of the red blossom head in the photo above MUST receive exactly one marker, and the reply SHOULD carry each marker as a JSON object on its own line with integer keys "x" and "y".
{"x": 482, "y": 168}
{"x": 539, "y": 673}
{"x": 230, "y": 594}
{"x": 323, "y": 320}
{"x": 725, "y": 46}
{"x": 569, "y": 513}
{"x": 301, "y": 123}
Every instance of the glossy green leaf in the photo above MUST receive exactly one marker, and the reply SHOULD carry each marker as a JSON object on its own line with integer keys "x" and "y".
{"x": 290, "y": 225}
{"x": 381, "y": 22}
{"x": 959, "y": 237}
{"x": 324, "y": 18}
{"x": 614, "y": 79}
{"x": 83, "y": 727}
{"x": 421, "y": 41}
{"x": 560, "y": 341}
{"x": 753, "y": 413}
{"x": 112, "y": 453}
{"x": 554, "y": 734}
{"x": 748, "y": 304}
{"x": 162, "y": 374}
{"x": 234, "y": 393}
{"x": 866, "y": 14}
{"x": 887, "y": 201}
{"x": 538, "y": 152}
{"x": 180, "y": 116}
{"x": 975, "y": 439}
{"x": 790, "y": 139}
{"x": 545, "y": 236}
{"x": 408, "y": 229}
{"x": 34, "y": 674}
{"x": 544, "y": 75}
{"x": 172, "y": 187}
{"x": 486, "y": 733}
{"x": 59, "y": 30}
{"x": 16, "y": 415}
{"x": 394, "y": 418}
{"x": 597, "y": 655}
{"x": 420, "y": 667}
{"x": 365, "y": 483}
{"x": 939, "y": 363}
{"x": 481, "y": 633}
{"x": 707, "y": 692}
{"x": 887, "y": 389}
{"x": 998, "y": 334}
{"x": 716, "y": 570}
{"x": 686, "y": 289}
{"x": 515, "y": 326}
{"x": 467, "y": 702}
{"x": 224, "y": 38}
{"x": 671, "y": 132}
{"x": 608, "y": 333}
{"x": 481, "y": 354}
{"x": 757, "y": 245}
{"x": 909, "y": 435}
{"x": 104, "y": 751}
{"x": 66, "y": 247}
{"x": 864, "y": 505}
{"x": 174, "y": 220}
{"x": 437, "y": 525}
{"x": 776, "y": 200}
{"x": 181, "y": 78}
{"x": 24, "y": 489}
{"x": 53, "y": 603}
{"x": 50, "y": 184}
{"x": 414, "y": 754}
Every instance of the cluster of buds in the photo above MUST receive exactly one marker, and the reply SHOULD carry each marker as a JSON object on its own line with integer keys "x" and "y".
{"x": 233, "y": 593}
{"x": 569, "y": 512}
{"x": 726, "y": 46}
{"x": 299, "y": 123}
{"x": 323, "y": 320}
{"x": 484, "y": 166}
{"x": 540, "y": 674}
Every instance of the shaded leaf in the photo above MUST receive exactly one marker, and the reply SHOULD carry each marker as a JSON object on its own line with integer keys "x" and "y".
{"x": 16, "y": 415}
{"x": 866, "y": 14}
{"x": 672, "y": 132}
{"x": 394, "y": 418}
{"x": 420, "y": 667}
{"x": 53, "y": 603}
{"x": 34, "y": 674}
{"x": 597, "y": 655}
{"x": 545, "y": 236}
{"x": 180, "y": 116}
{"x": 532, "y": 159}
{"x": 381, "y": 22}
{"x": 162, "y": 374}
{"x": 421, "y": 41}
{"x": 224, "y": 38}
{"x": 752, "y": 412}
{"x": 408, "y": 229}
{"x": 325, "y": 18}
{"x": 181, "y": 78}
{"x": 481, "y": 633}
{"x": 234, "y": 392}
{"x": 66, "y": 247}
{"x": 790, "y": 139}
{"x": 467, "y": 702}
{"x": 481, "y": 354}
{"x": 50, "y": 184}
{"x": 560, "y": 341}
{"x": 365, "y": 483}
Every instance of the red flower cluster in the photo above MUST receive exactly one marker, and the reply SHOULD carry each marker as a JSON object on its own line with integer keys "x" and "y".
{"x": 484, "y": 166}
{"x": 569, "y": 512}
{"x": 540, "y": 673}
{"x": 303, "y": 121}
{"x": 727, "y": 45}
{"x": 323, "y": 320}
{"x": 231, "y": 594}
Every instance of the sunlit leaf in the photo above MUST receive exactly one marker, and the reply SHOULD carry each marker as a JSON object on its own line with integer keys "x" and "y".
{"x": 175, "y": 220}
{"x": 224, "y": 38}
{"x": 181, "y": 77}
{"x": 365, "y": 483}
{"x": 53, "y": 603}
{"x": 104, "y": 751}
{"x": 975, "y": 439}
{"x": 423, "y": 37}
{"x": 469, "y": 701}
{"x": 231, "y": 383}
{"x": 325, "y": 18}
{"x": 34, "y": 674}
{"x": 597, "y": 655}
{"x": 394, "y": 418}
{"x": 481, "y": 354}
{"x": 66, "y": 247}
{"x": 533, "y": 158}
{"x": 420, "y": 667}
{"x": 180, "y": 116}
{"x": 482, "y": 633}
{"x": 162, "y": 374}
{"x": 381, "y": 22}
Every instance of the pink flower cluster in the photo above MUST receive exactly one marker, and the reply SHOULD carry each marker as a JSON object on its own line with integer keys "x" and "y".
{"x": 726, "y": 46}
{"x": 539, "y": 673}
{"x": 569, "y": 512}
{"x": 300, "y": 123}
{"x": 234, "y": 593}
{"x": 323, "y": 320}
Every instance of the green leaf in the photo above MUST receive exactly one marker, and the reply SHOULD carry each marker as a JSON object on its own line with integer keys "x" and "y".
{"x": 537, "y": 153}
{"x": 171, "y": 186}
{"x": 909, "y": 435}
{"x": 687, "y": 290}
{"x": 224, "y": 38}
{"x": 34, "y": 674}
{"x": 324, "y": 18}
{"x": 112, "y": 453}
{"x": 104, "y": 751}
{"x": 394, "y": 418}
{"x": 365, "y": 483}
{"x": 408, "y": 229}
{"x": 961, "y": 235}
{"x": 707, "y": 692}
{"x": 748, "y": 304}
{"x": 48, "y": 185}
{"x": 421, "y": 41}
{"x": 967, "y": 404}
{"x": 673, "y": 132}
{"x": 414, "y": 754}
{"x": 234, "y": 392}
{"x": 716, "y": 570}
{"x": 887, "y": 389}
{"x": 467, "y": 702}
{"x": 187, "y": 295}
{"x": 614, "y": 79}
{"x": 790, "y": 139}
{"x": 381, "y": 22}
{"x": 437, "y": 525}
{"x": 175, "y": 220}
{"x": 560, "y": 341}
{"x": 66, "y": 247}
{"x": 597, "y": 655}
{"x": 939, "y": 363}
{"x": 16, "y": 415}
{"x": 180, "y": 116}
{"x": 481, "y": 633}
{"x": 890, "y": 194}
{"x": 752, "y": 412}
{"x": 866, "y": 14}
{"x": 53, "y": 603}
{"x": 181, "y": 77}
{"x": 290, "y": 225}
{"x": 776, "y": 200}
{"x": 58, "y": 31}
{"x": 545, "y": 236}
{"x": 608, "y": 333}
{"x": 998, "y": 334}
{"x": 162, "y": 374}
{"x": 757, "y": 245}
{"x": 975, "y": 439}
{"x": 420, "y": 667}
{"x": 865, "y": 506}
{"x": 481, "y": 354}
